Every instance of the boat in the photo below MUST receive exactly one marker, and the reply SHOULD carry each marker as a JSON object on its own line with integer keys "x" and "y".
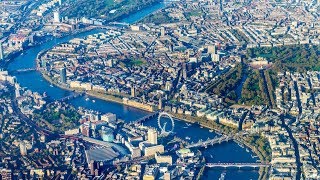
{"x": 210, "y": 130}
{"x": 240, "y": 145}
{"x": 87, "y": 99}
{"x": 188, "y": 124}
{"x": 185, "y": 127}
{"x": 247, "y": 149}
{"x": 222, "y": 176}
{"x": 93, "y": 101}
{"x": 187, "y": 138}
{"x": 211, "y": 156}
{"x": 51, "y": 85}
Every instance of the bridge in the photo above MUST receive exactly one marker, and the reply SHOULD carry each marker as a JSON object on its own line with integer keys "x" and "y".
{"x": 72, "y": 96}
{"x": 119, "y": 23}
{"x": 238, "y": 165}
{"x": 24, "y": 70}
{"x": 66, "y": 98}
{"x": 147, "y": 117}
{"x": 208, "y": 142}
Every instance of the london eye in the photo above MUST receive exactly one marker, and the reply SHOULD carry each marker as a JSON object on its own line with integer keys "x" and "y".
{"x": 163, "y": 120}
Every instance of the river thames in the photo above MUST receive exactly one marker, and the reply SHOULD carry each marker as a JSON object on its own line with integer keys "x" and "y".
{"x": 225, "y": 152}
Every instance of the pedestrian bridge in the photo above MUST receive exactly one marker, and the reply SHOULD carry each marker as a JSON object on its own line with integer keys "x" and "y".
{"x": 217, "y": 140}
{"x": 119, "y": 24}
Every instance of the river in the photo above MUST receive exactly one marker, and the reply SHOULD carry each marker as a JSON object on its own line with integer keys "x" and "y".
{"x": 225, "y": 152}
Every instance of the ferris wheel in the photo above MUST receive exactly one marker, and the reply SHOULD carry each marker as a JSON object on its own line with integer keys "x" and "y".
{"x": 162, "y": 123}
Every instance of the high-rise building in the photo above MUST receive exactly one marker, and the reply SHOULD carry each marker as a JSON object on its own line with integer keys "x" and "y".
{"x": 168, "y": 86}
{"x": 162, "y": 31}
{"x": 1, "y": 52}
{"x": 17, "y": 90}
{"x": 184, "y": 71}
{"x": 133, "y": 91}
{"x": 215, "y": 57}
{"x": 212, "y": 49}
{"x": 23, "y": 148}
{"x": 92, "y": 167}
{"x": 152, "y": 136}
{"x": 160, "y": 103}
{"x": 63, "y": 75}
{"x": 56, "y": 17}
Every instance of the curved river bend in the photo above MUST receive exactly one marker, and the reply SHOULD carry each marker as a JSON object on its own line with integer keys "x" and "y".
{"x": 225, "y": 152}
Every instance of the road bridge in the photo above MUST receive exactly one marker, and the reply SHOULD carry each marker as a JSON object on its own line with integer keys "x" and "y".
{"x": 238, "y": 165}
{"x": 147, "y": 117}
{"x": 24, "y": 70}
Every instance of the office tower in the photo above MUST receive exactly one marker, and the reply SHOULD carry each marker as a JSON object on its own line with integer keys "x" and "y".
{"x": 133, "y": 91}
{"x": 184, "y": 71}
{"x": 56, "y": 17}
{"x": 17, "y": 90}
{"x": 1, "y": 52}
{"x": 152, "y": 136}
{"x": 212, "y": 49}
{"x": 92, "y": 167}
{"x": 215, "y": 57}
{"x": 171, "y": 47}
{"x": 63, "y": 75}
{"x": 168, "y": 86}
{"x": 162, "y": 31}
{"x": 23, "y": 148}
{"x": 160, "y": 103}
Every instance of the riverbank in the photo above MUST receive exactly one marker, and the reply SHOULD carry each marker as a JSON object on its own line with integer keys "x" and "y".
{"x": 12, "y": 55}
{"x": 103, "y": 96}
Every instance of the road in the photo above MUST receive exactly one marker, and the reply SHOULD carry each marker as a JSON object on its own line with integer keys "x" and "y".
{"x": 295, "y": 145}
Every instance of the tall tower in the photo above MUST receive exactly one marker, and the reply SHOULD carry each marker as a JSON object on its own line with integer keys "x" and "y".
{"x": 17, "y": 90}
{"x": 152, "y": 136}
{"x": 212, "y": 49}
{"x": 162, "y": 31}
{"x": 63, "y": 75}
{"x": 184, "y": 71}
{"x": 56, "y": 17}
{"x": 1, "y": 52}
{"x": 133, "y": 91}
{"x": 160, "y": 103}
{"x": 23, "y": 148}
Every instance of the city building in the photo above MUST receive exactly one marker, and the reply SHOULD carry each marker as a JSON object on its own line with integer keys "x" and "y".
{"x": 23, "y": 148}
{"x": 1, "y": 51}
{"x": 63, "y": 75}
{"x": 56, "y": 17}
{"x": 107, "y": 134}
{"x": 152, "y": 136}
{"x": 6, "y": 174}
